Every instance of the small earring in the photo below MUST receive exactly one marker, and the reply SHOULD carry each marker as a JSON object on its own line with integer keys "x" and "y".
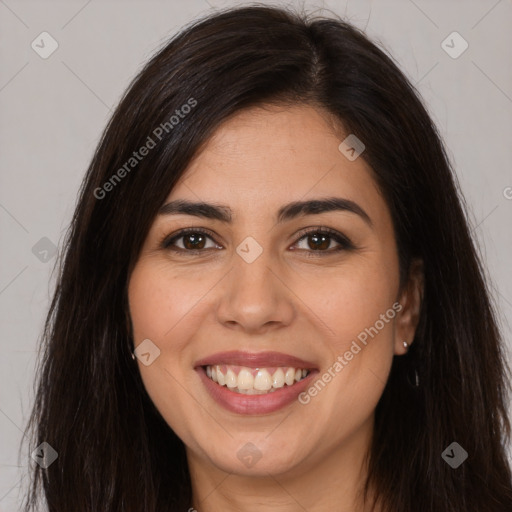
{"x": 133, "y": 356}
{"x": 406, "y": 345}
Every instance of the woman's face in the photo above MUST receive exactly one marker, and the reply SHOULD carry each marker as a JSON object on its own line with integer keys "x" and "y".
{"x": 259, "y": 292}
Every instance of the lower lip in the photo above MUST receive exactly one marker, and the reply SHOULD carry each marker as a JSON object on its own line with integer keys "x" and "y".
{"x": 254, "y": 404}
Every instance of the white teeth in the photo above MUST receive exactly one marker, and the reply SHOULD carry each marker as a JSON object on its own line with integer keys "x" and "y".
{"x": 263, "y": 380}
{"x": 231, "y": 379}
{"x": 221, "y": 379}
{"x": 245, "y": 379}
{"x": 289, "y": 377}
{"x": 278, "y": 378}
{"x": 246, "y": 383}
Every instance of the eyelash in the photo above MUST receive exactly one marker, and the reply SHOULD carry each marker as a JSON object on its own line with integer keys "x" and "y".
{"x": 343, "y": 241}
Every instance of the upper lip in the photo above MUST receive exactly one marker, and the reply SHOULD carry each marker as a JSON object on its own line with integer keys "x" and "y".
{"x": 255, "y": 360}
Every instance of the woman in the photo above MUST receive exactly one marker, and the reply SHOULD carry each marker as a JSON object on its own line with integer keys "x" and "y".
{"x": 269, "y": 297}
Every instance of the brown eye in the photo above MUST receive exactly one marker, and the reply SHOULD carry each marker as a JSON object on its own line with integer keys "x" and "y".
{"x": 189, "y": 241}
{"x": 194, "y": 241}
{"x": 320, "y": 241}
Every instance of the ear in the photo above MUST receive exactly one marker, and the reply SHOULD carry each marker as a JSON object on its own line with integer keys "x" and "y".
{"x": 410, "y": 299}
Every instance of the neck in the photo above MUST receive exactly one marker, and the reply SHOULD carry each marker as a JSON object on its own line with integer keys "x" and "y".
{"x": 332, "y": 479}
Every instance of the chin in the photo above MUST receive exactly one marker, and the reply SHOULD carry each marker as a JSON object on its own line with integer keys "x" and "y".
{"x": 259, "y": 457}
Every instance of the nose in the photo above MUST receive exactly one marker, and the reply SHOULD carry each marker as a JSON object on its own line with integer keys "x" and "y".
{"x": 255, "y": 297}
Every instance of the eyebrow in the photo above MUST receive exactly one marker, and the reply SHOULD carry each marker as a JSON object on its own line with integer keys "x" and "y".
{"x": 288, "y": 212}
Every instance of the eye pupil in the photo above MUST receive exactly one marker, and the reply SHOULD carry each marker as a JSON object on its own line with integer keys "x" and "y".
{"x": 320, "y": 241}
{"x": 197, "y": 241}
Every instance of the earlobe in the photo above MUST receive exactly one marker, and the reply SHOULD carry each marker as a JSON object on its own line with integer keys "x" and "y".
{"x": 410, "y": 299}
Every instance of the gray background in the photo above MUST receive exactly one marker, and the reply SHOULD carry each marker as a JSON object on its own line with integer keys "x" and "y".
{"x": 53, "y": 111}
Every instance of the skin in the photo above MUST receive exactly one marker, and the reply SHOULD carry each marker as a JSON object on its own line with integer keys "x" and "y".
{"x": 195, "y": 305}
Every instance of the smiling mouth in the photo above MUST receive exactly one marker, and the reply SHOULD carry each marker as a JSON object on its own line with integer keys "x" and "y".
{"x": 255, "y": 381}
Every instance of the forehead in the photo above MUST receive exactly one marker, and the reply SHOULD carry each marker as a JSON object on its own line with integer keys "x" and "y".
{"x": 266, "y": 156}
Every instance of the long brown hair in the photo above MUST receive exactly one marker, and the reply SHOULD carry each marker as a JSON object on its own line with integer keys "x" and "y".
{"x": 115, "y": 451}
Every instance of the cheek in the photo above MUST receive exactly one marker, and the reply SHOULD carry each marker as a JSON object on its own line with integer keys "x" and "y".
{"x": 356, "y": 306}
{"x": 157, "y": 308}
{"x": 352, "y": 301}
{"x": 158, "y": 302}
